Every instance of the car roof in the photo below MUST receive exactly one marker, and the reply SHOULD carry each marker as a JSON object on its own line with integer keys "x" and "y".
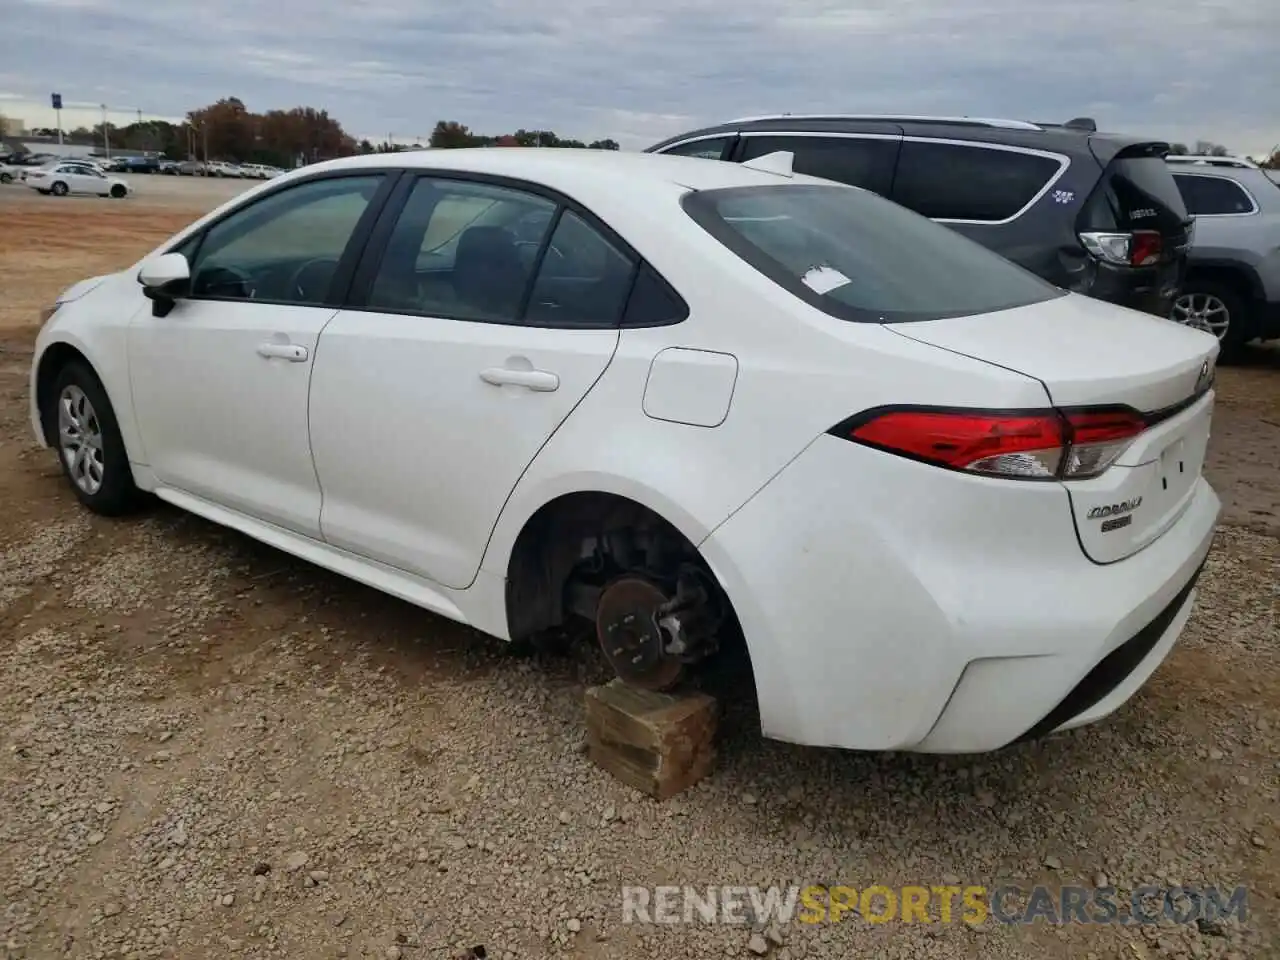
{"x": 566, "y": 168}
{"x": 1043, "y": 136}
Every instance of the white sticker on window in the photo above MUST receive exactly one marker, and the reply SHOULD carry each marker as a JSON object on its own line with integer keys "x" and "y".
{"x": 824, "y": 279}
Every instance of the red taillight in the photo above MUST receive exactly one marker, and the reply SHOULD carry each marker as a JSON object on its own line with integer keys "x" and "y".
{"x": 1141, "y": 248}
{"x": 1041, "y": 444}
{"x": 1145, "y": 248}
{"x": 1097, "y": 438}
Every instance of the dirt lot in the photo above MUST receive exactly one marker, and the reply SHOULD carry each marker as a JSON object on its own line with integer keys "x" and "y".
{"x": 208, "y": 749}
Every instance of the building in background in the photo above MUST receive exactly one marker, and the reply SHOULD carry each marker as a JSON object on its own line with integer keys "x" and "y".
{"x": 50, "y": 145}
{"x": 12, "y": 127}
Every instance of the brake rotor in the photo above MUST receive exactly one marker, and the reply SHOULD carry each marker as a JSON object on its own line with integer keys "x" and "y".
{"x": 632, "y": 641}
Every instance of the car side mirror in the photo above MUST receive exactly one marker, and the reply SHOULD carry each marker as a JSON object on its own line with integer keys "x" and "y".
{"x": 165, "y": 280}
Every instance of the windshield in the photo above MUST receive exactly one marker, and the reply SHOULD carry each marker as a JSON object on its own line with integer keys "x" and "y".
{"x": 860, "y": 257}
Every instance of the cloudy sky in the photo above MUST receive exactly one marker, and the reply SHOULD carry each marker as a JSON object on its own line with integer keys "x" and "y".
{"x": 638, "y": 70}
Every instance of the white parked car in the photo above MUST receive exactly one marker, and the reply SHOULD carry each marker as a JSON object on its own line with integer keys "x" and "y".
{"x": 75, "y": 177}
{"x": 946, "y": 504}
{"x": 221, "y": 168}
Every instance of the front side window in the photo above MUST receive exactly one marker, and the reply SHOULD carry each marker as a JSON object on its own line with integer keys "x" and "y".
{"x": 284, "y": 248}
{"x": 859, "y": 257}
{"x": 859, "y": 161}
{"x": 1212, "y": 196}
{"x": 481, "y": 251}
{"x": 948, "y": 181}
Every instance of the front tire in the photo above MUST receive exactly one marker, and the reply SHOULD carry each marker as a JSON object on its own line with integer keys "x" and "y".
{"x": 59, "y": 189}
{"x": 118, "y": 192}
{"x": 82, "y": 427}
{"x": 6, "y": 178}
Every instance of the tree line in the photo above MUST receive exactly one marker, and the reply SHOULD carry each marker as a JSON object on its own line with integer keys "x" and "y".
{"x": 228, "y": 130}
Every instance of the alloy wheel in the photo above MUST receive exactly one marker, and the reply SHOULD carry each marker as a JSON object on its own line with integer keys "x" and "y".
{"x": 80, "y": 440}
{"x": 1204, "y": 311}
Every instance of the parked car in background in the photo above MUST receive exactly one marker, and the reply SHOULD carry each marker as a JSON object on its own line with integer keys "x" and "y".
{"x": 955, "y": 506}
{"x": 1232, "y": 287}
{"x": 169, "y": 167}
{"x": 191, "y": 168}
{"x": 10, "y": 172}
{"x": 1094, "y": 213}
{"x": 75, "y": 177}
{"x": 222, "y": 168}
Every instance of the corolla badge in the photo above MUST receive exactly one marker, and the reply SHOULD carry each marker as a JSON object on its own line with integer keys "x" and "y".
{"x": 1115, "y": 509}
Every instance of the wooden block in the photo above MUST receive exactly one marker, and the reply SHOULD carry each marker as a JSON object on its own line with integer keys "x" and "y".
{"x": 659, "y": 743}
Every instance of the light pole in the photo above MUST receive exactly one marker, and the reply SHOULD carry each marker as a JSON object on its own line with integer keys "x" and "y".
{"x": 106, "y": 137}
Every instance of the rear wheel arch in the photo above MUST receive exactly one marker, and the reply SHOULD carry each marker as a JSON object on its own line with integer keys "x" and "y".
{"x": 1242, "y": 279}
{"x": 546, "y": 560}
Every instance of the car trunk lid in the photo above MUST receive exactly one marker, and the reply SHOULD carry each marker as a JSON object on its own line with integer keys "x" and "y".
{"x": 1090, "y": 354}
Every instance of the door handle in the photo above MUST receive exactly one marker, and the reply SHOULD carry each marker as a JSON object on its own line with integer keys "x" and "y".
{"x": 539, "y": 381}
{"x": 292, "y": 352}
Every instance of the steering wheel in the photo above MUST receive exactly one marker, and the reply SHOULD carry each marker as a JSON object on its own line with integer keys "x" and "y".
{"x": 301, "y": 281}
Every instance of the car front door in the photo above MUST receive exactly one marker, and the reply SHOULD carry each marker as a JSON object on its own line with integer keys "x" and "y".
{"x": 220, "y": 383}
{"x": 477, "y": 325}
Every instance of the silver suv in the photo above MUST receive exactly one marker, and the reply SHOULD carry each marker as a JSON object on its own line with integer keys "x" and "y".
{"x": 1232, "y": 288}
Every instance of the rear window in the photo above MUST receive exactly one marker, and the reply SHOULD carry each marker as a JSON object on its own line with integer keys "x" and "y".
{"x": 860, "y": 257}
{"x": 1137, "y": 193}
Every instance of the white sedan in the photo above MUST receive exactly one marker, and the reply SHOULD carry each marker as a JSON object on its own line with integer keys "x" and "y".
{"x": 75, "y": 177}
{"x": 946, "y": 505}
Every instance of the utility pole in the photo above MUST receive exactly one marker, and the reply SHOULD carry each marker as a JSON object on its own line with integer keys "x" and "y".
{"x": 106, "y": 137}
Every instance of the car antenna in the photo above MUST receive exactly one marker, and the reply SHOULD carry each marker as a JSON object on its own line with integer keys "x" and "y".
{"x": 779, "y": 162}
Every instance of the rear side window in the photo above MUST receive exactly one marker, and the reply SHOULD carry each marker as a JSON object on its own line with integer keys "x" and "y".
{"x": 948, "y": 181}
{"x": 859, "y": 161}
{"x": 711, "y": 149}
{"x": 653, "y": 302}
{"x": 1212, "y": 196}
{"x": 859, "y": 257}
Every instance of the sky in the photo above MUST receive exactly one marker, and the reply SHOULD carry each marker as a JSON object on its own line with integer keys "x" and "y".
{"x": 640, "y": 70}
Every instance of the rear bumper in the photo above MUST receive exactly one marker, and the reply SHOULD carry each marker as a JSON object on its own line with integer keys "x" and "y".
{"x": 1151, "y": 290}
{"x": 890, "y": 605}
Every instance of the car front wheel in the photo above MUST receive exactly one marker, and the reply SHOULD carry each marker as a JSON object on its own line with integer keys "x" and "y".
{"x": 118, "y": 192}
{"x": 58, "y": 189}
{"x": 82, "y": 427}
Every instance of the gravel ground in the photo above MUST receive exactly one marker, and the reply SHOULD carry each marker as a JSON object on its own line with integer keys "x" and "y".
{"x": 208, "y": 749}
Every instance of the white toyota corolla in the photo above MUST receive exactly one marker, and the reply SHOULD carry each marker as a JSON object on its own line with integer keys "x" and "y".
{"x": 947, "y": 505}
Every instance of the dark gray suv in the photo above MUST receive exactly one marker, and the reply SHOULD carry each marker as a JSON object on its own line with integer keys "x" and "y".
{"x": 1095, "y": 213}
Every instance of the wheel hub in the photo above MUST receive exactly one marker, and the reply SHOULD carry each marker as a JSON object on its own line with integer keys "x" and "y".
{"x": 1203, "y": 311}
{"x": 627, "y": 625}
{"x": 80, "y": 440}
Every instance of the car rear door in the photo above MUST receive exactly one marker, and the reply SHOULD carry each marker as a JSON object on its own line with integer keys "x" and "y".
{"x": 480, "y": 316}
